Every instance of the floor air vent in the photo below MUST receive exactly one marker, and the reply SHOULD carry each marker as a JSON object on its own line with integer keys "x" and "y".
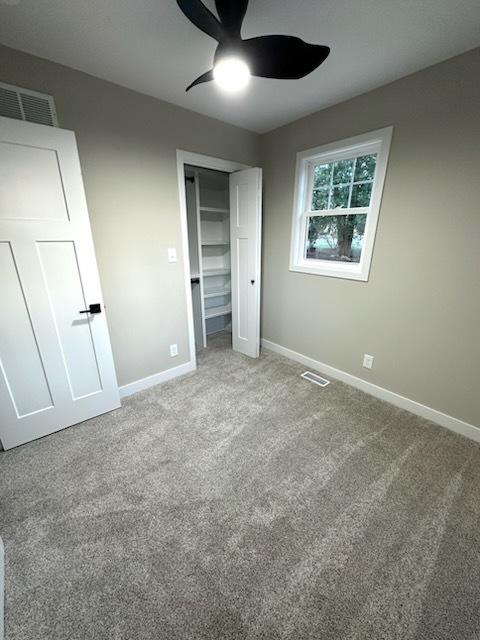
{"x": 23, "y": 104}
{"x": 313, "y": 377}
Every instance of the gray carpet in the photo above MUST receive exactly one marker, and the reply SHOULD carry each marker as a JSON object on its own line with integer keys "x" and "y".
{"x": 243, "y": 502}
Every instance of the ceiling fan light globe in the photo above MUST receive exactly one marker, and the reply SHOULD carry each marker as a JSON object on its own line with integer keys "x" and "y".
{"x": 231, "y": 74}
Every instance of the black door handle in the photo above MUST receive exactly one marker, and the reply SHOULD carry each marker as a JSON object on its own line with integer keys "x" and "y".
{"x": 93, "y": 308}
{"x": 252, "y": 281}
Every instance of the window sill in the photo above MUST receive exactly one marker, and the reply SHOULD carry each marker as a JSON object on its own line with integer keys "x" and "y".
{"x": 346, "y": 272}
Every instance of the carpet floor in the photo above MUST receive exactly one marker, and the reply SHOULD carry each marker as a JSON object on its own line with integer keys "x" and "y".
{"x": 244, "y": 502}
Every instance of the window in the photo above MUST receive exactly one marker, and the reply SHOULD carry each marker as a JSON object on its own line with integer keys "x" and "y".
{"x": 337, "y": 200}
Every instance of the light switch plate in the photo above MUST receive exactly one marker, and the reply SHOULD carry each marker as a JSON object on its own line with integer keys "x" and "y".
{"x": 172, "y": 255}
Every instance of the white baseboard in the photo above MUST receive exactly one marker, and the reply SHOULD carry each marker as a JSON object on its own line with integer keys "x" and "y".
{"x": 454, "y": 424}
{"x": 156, "y": 378}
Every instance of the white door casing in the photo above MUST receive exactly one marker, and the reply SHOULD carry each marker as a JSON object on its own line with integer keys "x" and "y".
{"x": 56, "y": 364}
{"x": 245, "y": 237}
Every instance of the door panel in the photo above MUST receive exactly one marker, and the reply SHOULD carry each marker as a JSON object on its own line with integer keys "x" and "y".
{"x": 20, "y": 361}
{"x": 56, "y": 364}
{"x": 31, "y": 185}
{"x": 64, "y": 289}
{"x": 242, "y": 292}
{"x": 242, "y": 201}
{"x": 245, "y": 232}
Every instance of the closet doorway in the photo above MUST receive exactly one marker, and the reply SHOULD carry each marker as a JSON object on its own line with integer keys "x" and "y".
{"x": 208, "y": 216}
{"x": 223, "y": 226}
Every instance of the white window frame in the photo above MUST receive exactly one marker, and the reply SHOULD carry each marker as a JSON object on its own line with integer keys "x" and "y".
{"x": 373, "y": 142}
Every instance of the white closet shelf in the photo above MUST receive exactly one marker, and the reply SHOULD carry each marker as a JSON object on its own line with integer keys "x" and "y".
{"x": 215, "y": 243}
{"x": 215, "y": 272}
{"x": 214, "y": 312}
{"x": 216, "y": 293}
{"x": 215, "y": 209}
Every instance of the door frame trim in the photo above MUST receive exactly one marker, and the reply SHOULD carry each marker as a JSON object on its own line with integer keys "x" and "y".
{"x": 203, "y": 162}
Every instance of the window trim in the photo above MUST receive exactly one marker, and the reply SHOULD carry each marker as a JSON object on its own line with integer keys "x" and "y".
{"x": 372, "y": 142}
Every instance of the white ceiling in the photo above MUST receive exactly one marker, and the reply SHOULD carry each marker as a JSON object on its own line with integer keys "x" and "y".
{"x": 149, "y": 46}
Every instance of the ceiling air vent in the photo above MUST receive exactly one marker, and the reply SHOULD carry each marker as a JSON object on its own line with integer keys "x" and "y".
{"x": 23, "y": 104}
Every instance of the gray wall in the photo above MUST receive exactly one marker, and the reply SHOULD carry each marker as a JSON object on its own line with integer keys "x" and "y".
{"x": 127, "y": 143}
{"x": 419, "y": 314}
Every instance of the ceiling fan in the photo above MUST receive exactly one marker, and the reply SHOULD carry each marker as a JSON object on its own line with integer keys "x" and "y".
{"x": 235, "y": 59}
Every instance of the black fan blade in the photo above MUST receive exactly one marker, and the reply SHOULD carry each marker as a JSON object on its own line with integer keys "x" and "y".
{"x": 232, "y": 13}
{"x": 282, "y": 57}
{"x": 202, "y": 18}
{"x": 205, "y": 77}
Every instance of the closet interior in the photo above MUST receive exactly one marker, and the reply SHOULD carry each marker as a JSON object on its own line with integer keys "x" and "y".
{"x": 208, "y": 219}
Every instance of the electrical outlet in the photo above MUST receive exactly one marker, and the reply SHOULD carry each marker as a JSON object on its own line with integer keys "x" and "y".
{"x": 367, "y": 361}
{"x": 172, "y": 255}
{"x": 173, "y": 350}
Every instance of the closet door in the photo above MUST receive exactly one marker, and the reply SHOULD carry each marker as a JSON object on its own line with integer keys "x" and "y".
{"x": 245, "y": 236}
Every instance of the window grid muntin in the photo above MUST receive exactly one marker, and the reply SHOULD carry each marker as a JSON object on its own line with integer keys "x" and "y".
{"x": 331, "y": 161}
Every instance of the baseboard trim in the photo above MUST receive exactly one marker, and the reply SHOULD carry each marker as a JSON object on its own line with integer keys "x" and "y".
{"x": 156, "y": 378}
{"x": 443, "y": 419}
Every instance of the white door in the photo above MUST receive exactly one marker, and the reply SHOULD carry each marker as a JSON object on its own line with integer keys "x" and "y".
{"x": 56, "y": 365}
{"x": 245, "y": 235}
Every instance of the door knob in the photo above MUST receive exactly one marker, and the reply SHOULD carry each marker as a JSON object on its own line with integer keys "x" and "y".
{"x": 93, "y": 308}
{"x": 252, "y": 281}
